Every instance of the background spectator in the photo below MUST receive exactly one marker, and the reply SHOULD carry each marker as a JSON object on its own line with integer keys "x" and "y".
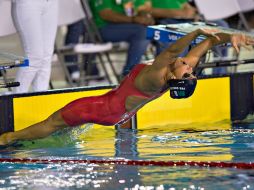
{"x": 124, "y": 20}
{"x": 171, "y": 12}
{"x": 36, "y": 23}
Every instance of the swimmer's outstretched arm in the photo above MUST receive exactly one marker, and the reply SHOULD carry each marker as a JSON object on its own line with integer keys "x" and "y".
{"x": 178, "y": 47}
{"x": 39, "y": 130}
{"x": 199, "y": 50}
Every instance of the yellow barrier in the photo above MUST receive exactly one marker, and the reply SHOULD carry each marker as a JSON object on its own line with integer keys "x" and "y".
{"x": 32, "y": 109}
{"x": 209, "y": 103}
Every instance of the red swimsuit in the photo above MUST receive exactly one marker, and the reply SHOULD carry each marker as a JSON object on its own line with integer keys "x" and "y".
{"x": 107, "y": 109}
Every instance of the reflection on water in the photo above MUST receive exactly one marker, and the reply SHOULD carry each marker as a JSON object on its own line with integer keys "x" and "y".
{"x": 201, "y": 142}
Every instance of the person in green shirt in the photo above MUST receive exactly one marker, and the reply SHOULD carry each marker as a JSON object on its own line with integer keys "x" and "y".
{"x": 124, "y": 20}
{"x": 171, "y": 12}
{"x": 173, "y": 9}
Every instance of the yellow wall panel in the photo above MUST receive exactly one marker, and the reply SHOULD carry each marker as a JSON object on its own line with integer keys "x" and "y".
{"x": 209, "y": 103}
{"x": 32, "y": 109}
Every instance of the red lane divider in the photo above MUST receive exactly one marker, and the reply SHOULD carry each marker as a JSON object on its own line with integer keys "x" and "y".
{"x": 134, "y": 163}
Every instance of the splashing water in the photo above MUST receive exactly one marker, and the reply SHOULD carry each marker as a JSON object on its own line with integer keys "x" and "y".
{"x": 64, "y": 138}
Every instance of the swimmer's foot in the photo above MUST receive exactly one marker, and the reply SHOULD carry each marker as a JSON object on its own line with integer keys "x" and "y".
{"x": 6, "y": 139}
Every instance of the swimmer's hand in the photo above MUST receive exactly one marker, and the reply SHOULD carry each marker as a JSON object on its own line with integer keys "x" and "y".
{"x": 209, "y": 32}
{"x": 238, "y": 40}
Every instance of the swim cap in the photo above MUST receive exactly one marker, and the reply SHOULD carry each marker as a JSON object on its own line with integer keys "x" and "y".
{"x": 182, "y": 88}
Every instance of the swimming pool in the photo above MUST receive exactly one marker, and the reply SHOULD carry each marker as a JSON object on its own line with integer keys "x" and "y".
{"x": 216, "y": 142}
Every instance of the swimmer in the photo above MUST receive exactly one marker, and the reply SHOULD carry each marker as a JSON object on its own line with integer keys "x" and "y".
{"x": 142, "y": 85}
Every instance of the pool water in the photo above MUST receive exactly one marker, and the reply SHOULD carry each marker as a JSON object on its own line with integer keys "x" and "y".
{"x": 219, "y": 141}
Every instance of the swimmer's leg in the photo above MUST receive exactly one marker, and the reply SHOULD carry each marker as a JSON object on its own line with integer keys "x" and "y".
{"x": 42, "y": 129}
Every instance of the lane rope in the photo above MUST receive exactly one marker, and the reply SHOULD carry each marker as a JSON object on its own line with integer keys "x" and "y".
{"x": 236, "y": 165}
